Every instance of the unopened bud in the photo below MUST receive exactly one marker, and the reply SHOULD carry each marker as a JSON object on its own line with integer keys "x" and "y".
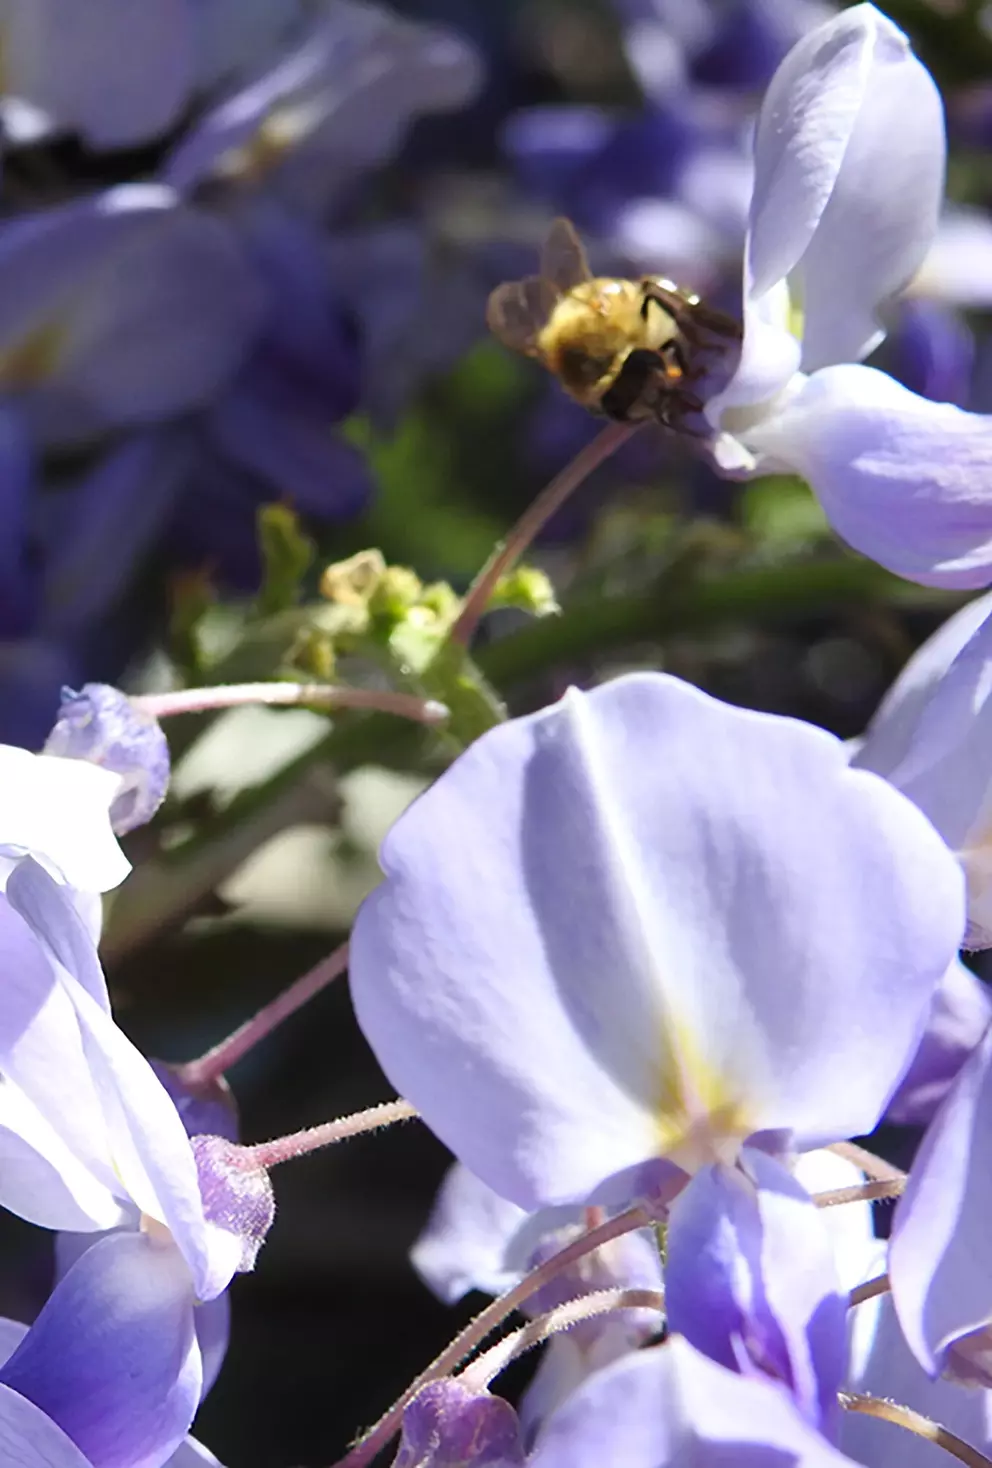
{"x": 100, "y": 724}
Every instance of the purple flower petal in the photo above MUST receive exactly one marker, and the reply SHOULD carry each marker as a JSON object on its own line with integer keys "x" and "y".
{"x": 959, "y": 1016}
{"x": 750, "y": 1281}
{"x": 112, "y": 1358}
{"x": 29, "y": 1439}
{"x": 940, "y": 1257}
{"x": 125, "y": 501}
{"x": 670, "y": 1405}
{"x": 67, "y": 62}
{"x": 903, "y": 480}
{"x": 594, "y": 914}
{"x": 448, "y": 1426}
{"x": 163, "y": 324}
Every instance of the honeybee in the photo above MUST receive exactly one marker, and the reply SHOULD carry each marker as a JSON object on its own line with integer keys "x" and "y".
{"x": 633, "y": 350}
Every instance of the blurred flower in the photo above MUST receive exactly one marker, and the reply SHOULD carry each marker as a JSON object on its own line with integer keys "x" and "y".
{"x": 63, "y": 68}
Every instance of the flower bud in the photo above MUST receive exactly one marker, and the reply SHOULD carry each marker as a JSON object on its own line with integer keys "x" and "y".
{"x": 100, "y": 724}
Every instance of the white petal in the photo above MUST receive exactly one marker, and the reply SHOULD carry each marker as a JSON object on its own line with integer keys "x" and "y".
{"x": 58, "y": 810}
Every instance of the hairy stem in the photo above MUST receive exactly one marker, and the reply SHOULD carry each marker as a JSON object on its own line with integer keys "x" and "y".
{"x": 876, "y": 1167}
{"x": 476, "y": 1331}
{"x": 487, "y": 1367}
{"x": 861, "y": 1193}
{"x": 914, "y": 1422}
{"x": 311, "y": 1139}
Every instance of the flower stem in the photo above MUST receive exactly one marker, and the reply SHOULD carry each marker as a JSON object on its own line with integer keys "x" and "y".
{"x": 532, "y": 522}
{"x": 379, "y": 1435}
{"x": 875, "y": 1167}
{"x": 916, "y": 1423}
{"x": 487, "y": 1367}
{"x": 878, "y": 1286}
{"x": 312, "y": 1138}
{"x": 211, "y": 1066}
{"x": 325, "y": 695}
{"x": 861, "y": 1192}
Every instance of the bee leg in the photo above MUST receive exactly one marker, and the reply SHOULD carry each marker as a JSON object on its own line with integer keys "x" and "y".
{"x": 691, "y": 318}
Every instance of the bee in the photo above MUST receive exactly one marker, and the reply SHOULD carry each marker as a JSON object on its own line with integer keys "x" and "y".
{"x": 634, "y": 350}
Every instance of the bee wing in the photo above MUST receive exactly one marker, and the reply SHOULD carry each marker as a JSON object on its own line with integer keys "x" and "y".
{"x": 518, "y": 310}
{"x": 563, "y": 260}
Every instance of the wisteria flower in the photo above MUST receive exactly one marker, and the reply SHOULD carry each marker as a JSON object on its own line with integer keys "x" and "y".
{"x": 643, "y": 925}
{"x": 849, "y": 166}
{"x": 91, "y": 1383}
{"x": 92, "y": 1142}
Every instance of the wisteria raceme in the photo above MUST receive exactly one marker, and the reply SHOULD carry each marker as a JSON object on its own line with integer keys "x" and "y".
{"x": 686, "y": 979}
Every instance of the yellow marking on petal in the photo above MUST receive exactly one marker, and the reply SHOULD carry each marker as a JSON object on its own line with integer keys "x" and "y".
{"x": 700, "y": 1118}
{"x": 796, "y": 319}
{"x": 32, "y": 360}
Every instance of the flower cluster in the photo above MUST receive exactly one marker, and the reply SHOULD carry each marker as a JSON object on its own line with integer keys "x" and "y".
{"x": 177, "y": 348}
{"x": 655, "y": 968}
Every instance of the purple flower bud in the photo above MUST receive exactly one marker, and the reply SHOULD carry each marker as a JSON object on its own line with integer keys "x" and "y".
{"x": 448, "y": 1426}
{"x": 102, "y": 725}
{"x": 237, "y": 1194}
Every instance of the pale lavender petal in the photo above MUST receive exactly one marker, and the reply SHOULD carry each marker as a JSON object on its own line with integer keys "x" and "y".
{"x": 932, "y": 739}
{"x": 151, "y": 1153}
{"x": 192, "y": 1454}
{"x": 750, "y": 1280}
{"x": 213, "y": 1330}
{"x": 29, "y": 1439}
{"x": 892, "y": 731}
{"x": 940, "y": 1257}
{"x": 570, "y": 915}
{"x": 902, "y": 479}
{"x": 112, "y": 1358}
{"x": 41, "y": 1177}
{"x": 959, "y": 1016}
{"x": 12, "y": 1332}
{"x": 670, "y": 1405}
{"x": 41, "y": 1055}
{"x": 69, "y": 62}
{"x": 849, "y": 170}
{"x": 465, "y": 1241}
